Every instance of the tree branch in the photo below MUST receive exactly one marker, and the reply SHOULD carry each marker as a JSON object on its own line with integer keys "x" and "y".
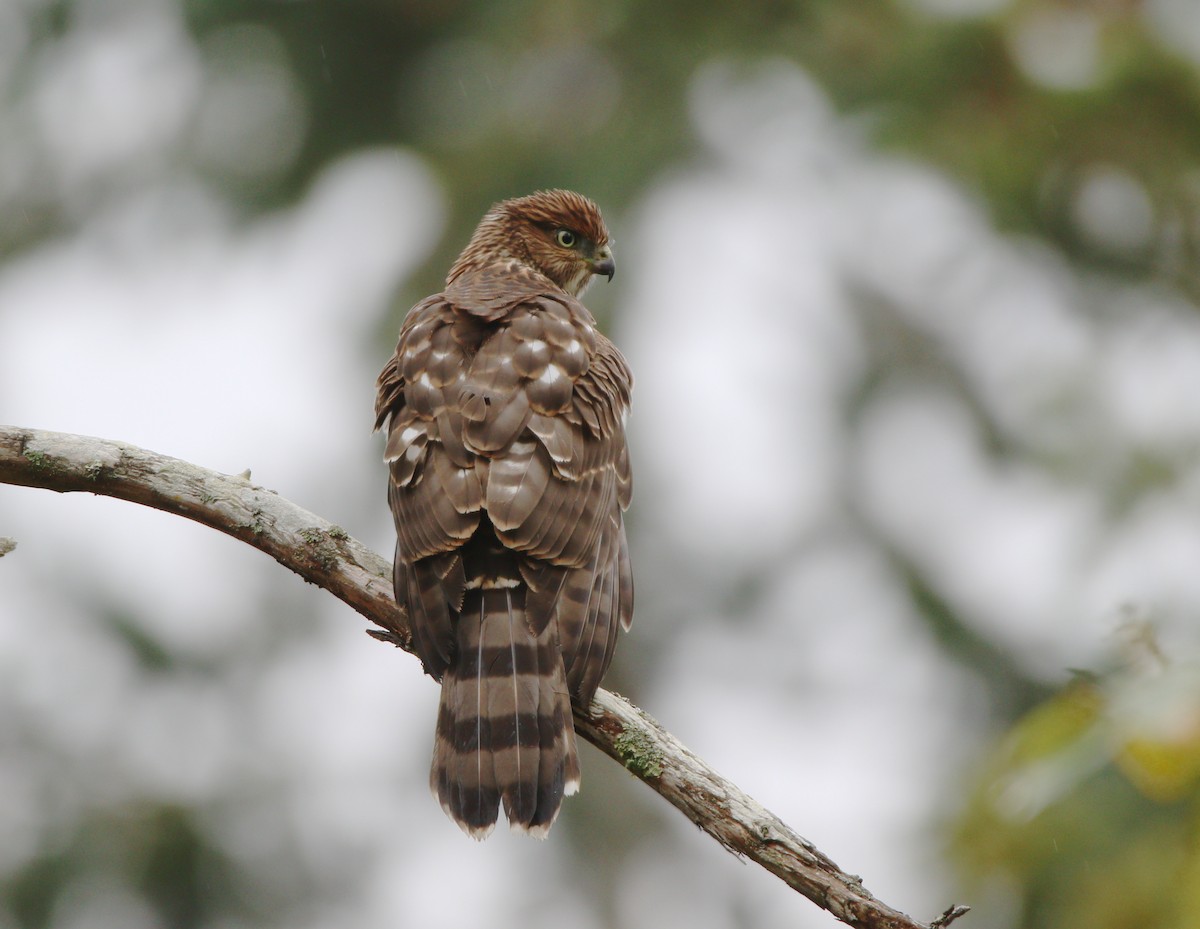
{"x": 325, "y": 555}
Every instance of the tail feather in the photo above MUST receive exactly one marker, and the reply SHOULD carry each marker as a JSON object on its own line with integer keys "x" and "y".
{"x": 558, "y": 762}
{"x": 504, "y": 732}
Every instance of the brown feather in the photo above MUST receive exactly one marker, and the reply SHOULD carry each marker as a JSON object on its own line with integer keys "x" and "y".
{"x": 508, "y": 475}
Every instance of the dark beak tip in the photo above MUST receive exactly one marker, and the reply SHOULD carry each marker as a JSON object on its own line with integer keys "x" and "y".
{"x": 607, "y": 267}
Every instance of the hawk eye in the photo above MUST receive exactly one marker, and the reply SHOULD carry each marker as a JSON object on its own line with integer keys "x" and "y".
{"x": 566, "y": 238}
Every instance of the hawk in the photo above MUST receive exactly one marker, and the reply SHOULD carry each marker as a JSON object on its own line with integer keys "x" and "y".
{"x": 508, "y": 476}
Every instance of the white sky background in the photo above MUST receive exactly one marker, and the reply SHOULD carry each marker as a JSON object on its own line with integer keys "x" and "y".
{"x": 166, "y": 320}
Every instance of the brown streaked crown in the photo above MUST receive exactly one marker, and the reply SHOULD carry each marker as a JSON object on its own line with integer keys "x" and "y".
{"x": 524, "y": 228}
{"x": 560, "y": 208}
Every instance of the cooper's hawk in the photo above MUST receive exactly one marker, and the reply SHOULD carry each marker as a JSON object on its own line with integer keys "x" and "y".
{"x": 509, "y": 473}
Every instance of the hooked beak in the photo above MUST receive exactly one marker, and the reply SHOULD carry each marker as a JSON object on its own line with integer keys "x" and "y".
{"x": 603, "y": 262}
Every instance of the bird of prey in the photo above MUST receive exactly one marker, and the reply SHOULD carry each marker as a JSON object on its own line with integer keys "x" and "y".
{"x": 508, "y": 476}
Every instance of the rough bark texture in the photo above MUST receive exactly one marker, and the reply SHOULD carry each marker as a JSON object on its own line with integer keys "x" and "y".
{"x": 325, "y": 555}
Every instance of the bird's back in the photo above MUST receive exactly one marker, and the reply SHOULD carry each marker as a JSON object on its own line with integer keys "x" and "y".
{"x": 508, "y": 476}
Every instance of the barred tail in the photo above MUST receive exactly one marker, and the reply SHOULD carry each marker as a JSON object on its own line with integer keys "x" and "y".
{"x": 504, "y": 730}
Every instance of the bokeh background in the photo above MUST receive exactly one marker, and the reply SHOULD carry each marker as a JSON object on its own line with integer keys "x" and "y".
{"x": 910, "y": 288}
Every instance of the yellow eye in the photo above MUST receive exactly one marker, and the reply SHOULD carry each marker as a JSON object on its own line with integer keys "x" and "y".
{"x": 566, "y": 238}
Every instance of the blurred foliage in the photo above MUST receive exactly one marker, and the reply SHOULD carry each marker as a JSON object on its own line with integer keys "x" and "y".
{"x": 509, "y": 96}
{"x": 174, "y": 871}
{"x": 1088, "y": 813}
{"x": 503, "y": 97}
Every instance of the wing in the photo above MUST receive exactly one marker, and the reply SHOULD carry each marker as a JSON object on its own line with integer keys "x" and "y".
{"x": 546, "y": 400}
{"x": 434, "y": 488}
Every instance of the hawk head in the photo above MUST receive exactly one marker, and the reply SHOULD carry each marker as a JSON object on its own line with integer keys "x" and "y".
{"x": 557, "y": 233}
